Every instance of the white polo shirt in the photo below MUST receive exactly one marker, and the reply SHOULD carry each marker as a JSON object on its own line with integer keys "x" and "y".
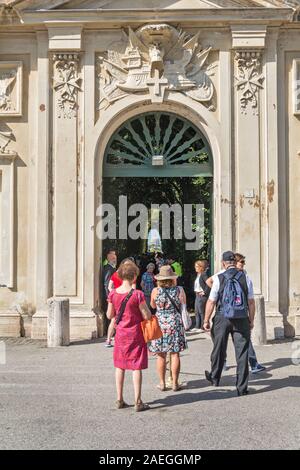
{"x": 214, "y": 293}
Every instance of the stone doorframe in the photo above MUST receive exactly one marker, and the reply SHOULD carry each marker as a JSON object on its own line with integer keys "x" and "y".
{"x": 128, "y": 108}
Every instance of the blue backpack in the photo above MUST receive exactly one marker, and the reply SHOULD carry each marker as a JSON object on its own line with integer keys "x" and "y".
{"x": 234, "y": 301}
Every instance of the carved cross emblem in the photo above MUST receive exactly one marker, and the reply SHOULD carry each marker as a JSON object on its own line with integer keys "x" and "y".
{"x": 157, "y": 87}
{"x": 66, "y": 82}
{"x": 249, "y": 79}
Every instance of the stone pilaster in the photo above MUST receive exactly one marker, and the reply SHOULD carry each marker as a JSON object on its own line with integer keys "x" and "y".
{"x": 43, "y": 177}
{"x": 66, "y": 85}
{"x": 7, "y": 219}
{"x": 10, "y": 321}
{"x": 249, "y": 81}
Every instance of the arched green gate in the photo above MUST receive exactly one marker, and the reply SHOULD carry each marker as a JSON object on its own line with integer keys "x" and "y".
{"x": 158, "y": 144}
{"x": 161, "y": 145}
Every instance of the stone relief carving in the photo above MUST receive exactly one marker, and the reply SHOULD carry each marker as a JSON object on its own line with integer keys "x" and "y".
{"x": 9, "y": 15}
{"x": 10, "y": 88}
{"x": 6, "y": 136}
{"x": 157, "y": 58}
{"x": 296, "y": 86}
{"x": 250, "y": 78}
{"x": 66, "y": 83}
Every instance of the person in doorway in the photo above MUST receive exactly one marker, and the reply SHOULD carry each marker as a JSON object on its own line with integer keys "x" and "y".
{"x": 108, "y": 268}
{"x": 148, "y": 282}
{"x": 177, "y": 268}
{"x": 128, "y": 307}
{"x": 159, "y": 261}
{"x": 235, "y": 310}
{"x": 167, "y": 299}
{"x": 202, "y": 292}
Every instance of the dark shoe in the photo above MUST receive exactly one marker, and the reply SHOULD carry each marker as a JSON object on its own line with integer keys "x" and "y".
{"x": 241, "y": 394}
{"x": 257, "y": 368}
{"x": 209, "y": 378}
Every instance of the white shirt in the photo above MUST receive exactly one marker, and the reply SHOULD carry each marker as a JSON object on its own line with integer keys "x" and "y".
{"x": 214, "y": 293}
{"x": 197, "y": 286}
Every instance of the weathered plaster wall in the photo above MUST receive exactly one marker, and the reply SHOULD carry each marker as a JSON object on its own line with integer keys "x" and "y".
{"x": 58, "y": 187}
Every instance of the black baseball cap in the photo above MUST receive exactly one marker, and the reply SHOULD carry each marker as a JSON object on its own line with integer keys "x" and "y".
{"x": 228, "y": 256}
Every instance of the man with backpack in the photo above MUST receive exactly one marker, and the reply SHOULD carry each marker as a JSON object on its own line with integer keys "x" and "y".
{"x": 233, "y": 298}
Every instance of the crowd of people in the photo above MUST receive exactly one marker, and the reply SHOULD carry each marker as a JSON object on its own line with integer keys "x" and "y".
{"x": 138, "y": 289}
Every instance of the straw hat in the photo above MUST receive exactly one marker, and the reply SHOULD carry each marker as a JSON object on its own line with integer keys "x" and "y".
{"x": 166, "y": 272}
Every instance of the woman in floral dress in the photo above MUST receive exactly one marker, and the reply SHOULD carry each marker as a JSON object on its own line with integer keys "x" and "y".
{"x": 167, "y": 299}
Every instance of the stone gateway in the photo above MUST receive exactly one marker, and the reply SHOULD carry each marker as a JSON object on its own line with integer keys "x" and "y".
{"x": 74, "y": 73}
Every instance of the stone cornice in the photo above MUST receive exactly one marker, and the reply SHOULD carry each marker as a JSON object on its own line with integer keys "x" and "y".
{"x": 9, "y": 155}
{"x": 145, "y": 15}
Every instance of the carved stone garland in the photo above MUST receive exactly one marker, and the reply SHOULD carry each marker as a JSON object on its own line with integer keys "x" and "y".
{"x": 66, "y": 83}
{"x": 249, "y": 79}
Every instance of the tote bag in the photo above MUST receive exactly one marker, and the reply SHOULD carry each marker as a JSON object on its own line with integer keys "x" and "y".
{"x": 186, "y": 319}
{"x": 151, "y": 329}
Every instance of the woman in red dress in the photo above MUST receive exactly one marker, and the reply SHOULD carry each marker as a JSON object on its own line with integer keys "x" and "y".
{"x": 130, "y": 351}
{"x": 114, "y": 283}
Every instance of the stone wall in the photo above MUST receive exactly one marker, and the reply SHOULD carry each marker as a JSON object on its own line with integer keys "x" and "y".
{"x": 54, "y": 136}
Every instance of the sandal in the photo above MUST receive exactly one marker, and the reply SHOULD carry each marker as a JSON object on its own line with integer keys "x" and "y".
{"x": 141, "y": 407}
{"x": 176, "y": 388}
{"x": 162, "y": 388}
{"x": 121, "y": 404}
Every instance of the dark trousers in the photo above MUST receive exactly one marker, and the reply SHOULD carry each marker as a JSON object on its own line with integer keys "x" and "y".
{"x": 240, "y": 331}
{"x": 251, "y": 355}
{"x": 200, "y": 303}
{"x": 106, "y": 321}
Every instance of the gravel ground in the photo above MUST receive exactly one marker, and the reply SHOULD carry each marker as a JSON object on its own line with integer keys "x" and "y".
{"x": 63, "y": 398}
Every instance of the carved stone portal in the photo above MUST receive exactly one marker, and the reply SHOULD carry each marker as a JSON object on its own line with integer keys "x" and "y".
{"x": 10, "y": 88}
{"x": 66, "y": 83}
{"x": 157, "y": 58}
{"x": 250, "y": 79}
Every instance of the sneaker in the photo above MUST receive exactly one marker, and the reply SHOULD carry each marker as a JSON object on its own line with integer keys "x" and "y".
{"x": 225, "y": 367}
{"x": 108, "y": 344}
{"x": 257, "y": 368}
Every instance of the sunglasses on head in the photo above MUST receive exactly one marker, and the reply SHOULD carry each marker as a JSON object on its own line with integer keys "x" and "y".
{"x": 242, "y": 261}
